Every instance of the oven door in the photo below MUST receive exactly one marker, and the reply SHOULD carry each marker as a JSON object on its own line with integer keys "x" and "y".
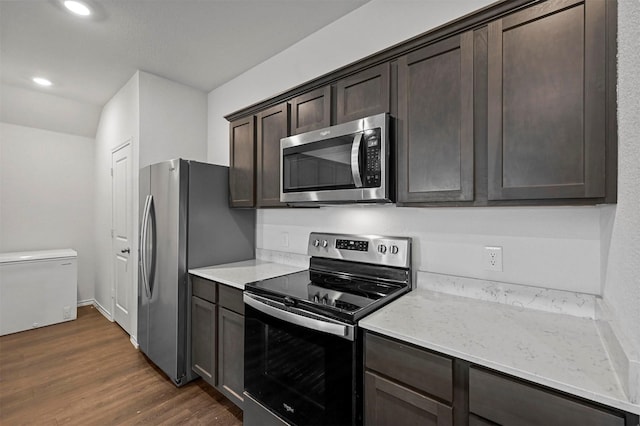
{"x": 305, "y": 376}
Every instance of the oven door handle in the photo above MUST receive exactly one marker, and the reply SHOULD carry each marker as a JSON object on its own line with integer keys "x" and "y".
{"x": 346, "y": 331}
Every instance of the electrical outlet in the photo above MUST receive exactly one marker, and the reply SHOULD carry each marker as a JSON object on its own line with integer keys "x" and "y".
{"x": 493, "y": 258}
{"x": 284, "y": 239}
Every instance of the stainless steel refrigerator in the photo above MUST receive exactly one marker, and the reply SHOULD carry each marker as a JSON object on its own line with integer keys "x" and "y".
{"x": 185, "y": 223}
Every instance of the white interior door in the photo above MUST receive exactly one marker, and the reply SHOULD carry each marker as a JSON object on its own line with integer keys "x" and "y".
{"x": 122, "y": 228}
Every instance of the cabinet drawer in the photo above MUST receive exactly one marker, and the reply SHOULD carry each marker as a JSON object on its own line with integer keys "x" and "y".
{"x": 230, "y": 298}
{"x": 203, "y": 288}
{"x": 510, "y": 402}
{"x": 415, "y": 367}
{"x": 388, "y": 403}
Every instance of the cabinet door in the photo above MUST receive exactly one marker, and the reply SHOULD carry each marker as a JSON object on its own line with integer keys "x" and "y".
{"x": 242, "y": 163}
{"x": 435, "y": 122}
{"x": 363, "y": 94}
{"x": 311, "y": 111}
{"x": 231, "y": 355}
{"x": 388, "y": 403}
{"x": 507, "y": 401}
{"x": 203, "y": 339}
{"x": 420, "y": 369}
{"x": 273, "y": 125}
{"x": 546, "y": 106}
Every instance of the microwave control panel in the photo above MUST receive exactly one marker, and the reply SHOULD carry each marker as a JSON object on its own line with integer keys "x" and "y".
{"x": 373, "y": 159}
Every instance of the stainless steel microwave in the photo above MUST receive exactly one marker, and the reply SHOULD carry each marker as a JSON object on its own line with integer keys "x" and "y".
{"x": 346, "y": 163}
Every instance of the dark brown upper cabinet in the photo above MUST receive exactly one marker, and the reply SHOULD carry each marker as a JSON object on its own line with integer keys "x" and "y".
{"x": 435, "y": 142}
{"x": 311, "y": 110}
{"x": 547, "y": 102}
{"x": 273, "y": 125}
{"x": 363, "y": 94}
{"x": 242, "y": 162}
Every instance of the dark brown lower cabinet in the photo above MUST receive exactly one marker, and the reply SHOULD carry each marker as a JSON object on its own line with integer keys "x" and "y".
{"x": 389, "y": 403}
{"x": 231, "y": 355}
{"x": 203, "y": 340}
{"x": 507, "y": 401}
{"x": 217, "y": 337}
{"x": 408, "y": 385}
{"x": 405, "y": 385}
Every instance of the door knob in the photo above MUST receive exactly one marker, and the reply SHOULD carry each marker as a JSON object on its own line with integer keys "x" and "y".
{"x": 127, "y": 250}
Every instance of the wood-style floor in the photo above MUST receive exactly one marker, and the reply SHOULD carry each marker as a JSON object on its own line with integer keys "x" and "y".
{"x": 86, "y": 372}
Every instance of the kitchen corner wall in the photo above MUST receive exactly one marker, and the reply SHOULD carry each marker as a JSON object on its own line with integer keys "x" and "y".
{"x": 584, "y": 249}
{"x": 46, "y": 195}
{"x": 622, "y": 285}
{"x": 163, "y": 120}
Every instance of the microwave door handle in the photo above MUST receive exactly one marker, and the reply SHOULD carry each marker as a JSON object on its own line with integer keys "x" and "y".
{"x": 355, "y": 164}
{"x": 344, "y": 331}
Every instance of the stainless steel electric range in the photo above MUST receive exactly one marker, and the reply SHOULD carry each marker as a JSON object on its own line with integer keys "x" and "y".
{"x": 303, "y": 349}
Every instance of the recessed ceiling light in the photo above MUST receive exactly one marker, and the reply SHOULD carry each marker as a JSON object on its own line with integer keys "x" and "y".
{"x": 77, "y": 7}
{"x": 42, "y": 81}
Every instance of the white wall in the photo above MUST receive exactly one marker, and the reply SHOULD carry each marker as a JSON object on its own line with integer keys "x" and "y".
{"x": 622, "y": 285}
{"x": 118, "y": 123}
{"x": 47, "y": 195}
{"x": 163, "y": 120}
{"x": 173, "y": 121}
{"x": 375, "y": 26}
{"x": 587, "y": 249}
{"x": 556, "y": 247}
{"x": 38, "y": 109}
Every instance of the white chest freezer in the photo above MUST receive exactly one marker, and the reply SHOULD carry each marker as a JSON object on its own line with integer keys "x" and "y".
{"x": 37, "y": 288}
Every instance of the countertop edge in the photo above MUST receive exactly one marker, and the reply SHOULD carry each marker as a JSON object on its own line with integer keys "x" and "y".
{"x": 217, "y": 279}
{"x": 522, "y": 374}
{"x": 238, "y": 274}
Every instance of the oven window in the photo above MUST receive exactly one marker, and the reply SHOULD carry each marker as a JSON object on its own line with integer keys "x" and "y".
{"x": 319, "y": 166}
{"x": 304, "y": 374}
{"x": 306, "y": 377}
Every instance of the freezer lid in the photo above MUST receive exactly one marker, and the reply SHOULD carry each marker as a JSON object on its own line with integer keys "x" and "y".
{"x": 28, "y": 256}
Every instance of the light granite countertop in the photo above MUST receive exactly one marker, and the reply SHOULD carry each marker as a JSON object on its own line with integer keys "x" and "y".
{"x": 238, "y": 274}
{"x": 561, "y": 351}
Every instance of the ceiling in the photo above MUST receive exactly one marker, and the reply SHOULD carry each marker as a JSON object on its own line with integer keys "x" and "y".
{"x": 200, "y": 43}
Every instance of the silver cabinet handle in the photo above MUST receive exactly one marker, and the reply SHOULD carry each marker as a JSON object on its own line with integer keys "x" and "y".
{"x": 345, "y": 331}
{"x": 355, "y": 154}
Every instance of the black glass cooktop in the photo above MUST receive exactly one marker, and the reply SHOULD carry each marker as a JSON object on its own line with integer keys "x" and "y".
{"x": 340, "y": 296}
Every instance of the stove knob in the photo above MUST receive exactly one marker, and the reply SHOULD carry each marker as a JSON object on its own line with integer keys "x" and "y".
{"x": 325, "y": 299}
{"x": 394, "y": 249}
{"x": 324, "y": 243}
{"x": 382, "y": 249}
{"x": 316, "y": 298}
{"x": 316, "y": 243}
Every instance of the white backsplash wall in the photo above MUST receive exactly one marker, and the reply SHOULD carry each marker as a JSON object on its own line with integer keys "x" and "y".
{"x": 549, "y": 247}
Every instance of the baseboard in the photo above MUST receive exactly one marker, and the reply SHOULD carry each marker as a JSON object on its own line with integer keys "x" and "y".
{"x": 103, "y": 311}
{"x": 134, "y": 342}
{"x": 98, "y": 306}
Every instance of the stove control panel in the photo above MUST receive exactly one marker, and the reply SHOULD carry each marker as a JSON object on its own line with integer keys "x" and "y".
{"x": 376, "y": 249}
{"x": 356, "y": 245}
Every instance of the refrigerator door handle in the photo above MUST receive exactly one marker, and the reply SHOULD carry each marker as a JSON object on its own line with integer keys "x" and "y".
{"x": 151, "y": 273}
{"x": 143, "y": 244}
